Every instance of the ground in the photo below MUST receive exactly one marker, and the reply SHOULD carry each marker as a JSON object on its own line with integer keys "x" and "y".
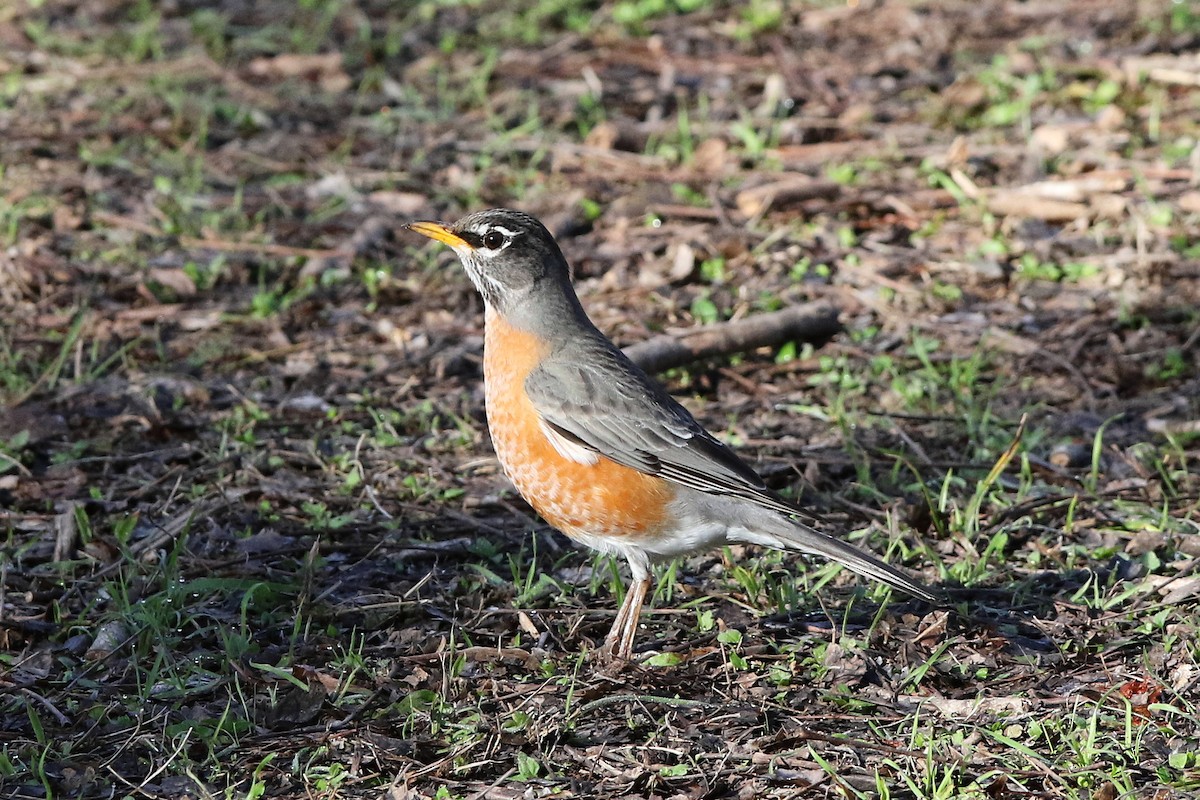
{"x": 255, "y": 540}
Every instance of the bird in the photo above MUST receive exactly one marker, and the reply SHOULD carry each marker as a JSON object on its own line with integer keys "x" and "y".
{"x": 601, "y": 451}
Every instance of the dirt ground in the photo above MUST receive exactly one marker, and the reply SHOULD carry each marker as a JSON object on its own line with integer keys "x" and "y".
{"x": 256, "y": 543}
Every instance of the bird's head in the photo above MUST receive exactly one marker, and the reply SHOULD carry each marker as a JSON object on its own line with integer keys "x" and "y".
{"x": 506, "y": 253}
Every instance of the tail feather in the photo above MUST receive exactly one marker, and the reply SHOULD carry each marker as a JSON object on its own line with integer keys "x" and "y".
{"x": 792, "y": 535}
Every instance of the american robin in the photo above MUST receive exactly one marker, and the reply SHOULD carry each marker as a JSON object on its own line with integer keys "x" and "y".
{"x": 601, "y": 451}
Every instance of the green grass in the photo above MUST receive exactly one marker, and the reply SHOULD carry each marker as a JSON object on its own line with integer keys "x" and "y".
{"x": 253, "y": 540}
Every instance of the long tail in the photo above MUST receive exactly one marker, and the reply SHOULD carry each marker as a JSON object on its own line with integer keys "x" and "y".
{"x": 786, "y": 534}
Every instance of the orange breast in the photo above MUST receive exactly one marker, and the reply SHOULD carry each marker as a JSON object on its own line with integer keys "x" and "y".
{"x": 603, "y": 499}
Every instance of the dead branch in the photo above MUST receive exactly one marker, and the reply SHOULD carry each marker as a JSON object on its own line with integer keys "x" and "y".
{"x": 806, "y": 323}
{"x": 760, "y": 199}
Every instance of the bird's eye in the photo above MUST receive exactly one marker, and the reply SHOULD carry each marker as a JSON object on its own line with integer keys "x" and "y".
{"x": 493, "y": 240}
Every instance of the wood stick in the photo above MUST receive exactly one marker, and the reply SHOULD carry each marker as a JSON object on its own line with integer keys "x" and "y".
{"x": 806, "y": 323}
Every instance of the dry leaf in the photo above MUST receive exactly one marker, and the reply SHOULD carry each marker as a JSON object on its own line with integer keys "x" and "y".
{"x": 602, "y": 137}
{"x": 323, "y": 68}
{"x": 400, "y": 203}
{"x": 711, "y": 156}
{"x": 176, "y": 280}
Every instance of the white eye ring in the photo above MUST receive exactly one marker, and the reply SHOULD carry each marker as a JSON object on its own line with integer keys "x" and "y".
{"x": 497, "y": 237}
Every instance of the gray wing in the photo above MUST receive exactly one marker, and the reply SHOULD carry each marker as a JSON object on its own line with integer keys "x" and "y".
{"x": 600, "y": 400}
{"x": 595, "y": 398}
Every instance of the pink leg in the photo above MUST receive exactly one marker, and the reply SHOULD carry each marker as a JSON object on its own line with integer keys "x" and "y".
{"x": 618, "y": 645}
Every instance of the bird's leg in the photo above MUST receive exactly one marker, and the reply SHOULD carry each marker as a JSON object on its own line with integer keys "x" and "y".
{"x": 612, "y": 640}
{"x": 618, "y": 644}
{"x": 637, "y": 589}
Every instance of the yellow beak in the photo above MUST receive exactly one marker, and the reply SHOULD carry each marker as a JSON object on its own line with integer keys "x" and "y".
{"x": 438, "y": 231}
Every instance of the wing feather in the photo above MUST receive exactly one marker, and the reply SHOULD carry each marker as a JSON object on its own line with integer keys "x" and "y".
{"x": 600, "y": 401}
{"x": 597, "y": 402}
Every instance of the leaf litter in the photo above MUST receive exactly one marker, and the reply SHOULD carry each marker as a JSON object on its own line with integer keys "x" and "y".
{"x": 256, "y": 538}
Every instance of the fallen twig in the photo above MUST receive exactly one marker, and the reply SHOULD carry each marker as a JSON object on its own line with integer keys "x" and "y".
{"x": 757, "y": 201}
{"x": 806, "y": 323}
